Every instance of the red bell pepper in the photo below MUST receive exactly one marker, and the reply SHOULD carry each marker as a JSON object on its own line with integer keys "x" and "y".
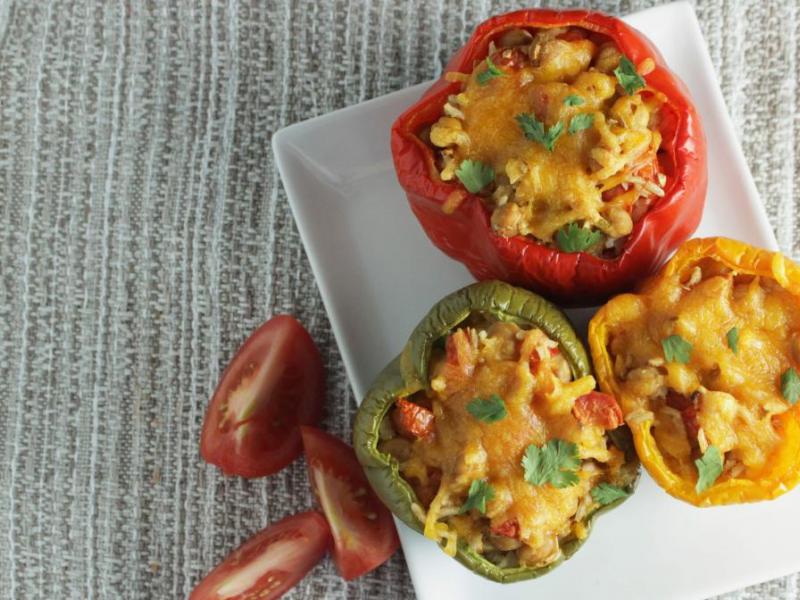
{"x": 573, "y": 278}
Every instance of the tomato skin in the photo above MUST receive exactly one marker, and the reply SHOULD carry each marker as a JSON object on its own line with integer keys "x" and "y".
{"x": 597, "y": 408}
{"x": 273, "y": 384}
{"x": 364, "y": 535}
{"x": 303, "y": 538}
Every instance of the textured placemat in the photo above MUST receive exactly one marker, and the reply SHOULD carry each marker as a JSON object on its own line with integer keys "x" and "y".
{"x": 145, "y": 233}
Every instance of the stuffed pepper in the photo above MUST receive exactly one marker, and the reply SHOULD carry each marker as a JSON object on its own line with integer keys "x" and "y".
{"x": 705, "y": 360}
{"x": 558, "y": 153}
{"x": 487, "y": 434}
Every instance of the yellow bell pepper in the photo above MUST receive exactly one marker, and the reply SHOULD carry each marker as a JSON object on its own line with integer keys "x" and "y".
{"x": 735, "y": 310}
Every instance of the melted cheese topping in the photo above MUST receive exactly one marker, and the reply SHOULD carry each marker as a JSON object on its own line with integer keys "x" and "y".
{"x": 734, "y": 395}
{"x": 602, "y": 177}
{"x": 539, "y": 401}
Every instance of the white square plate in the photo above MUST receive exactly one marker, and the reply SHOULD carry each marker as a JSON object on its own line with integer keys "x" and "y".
{"x": 378, "y": 275}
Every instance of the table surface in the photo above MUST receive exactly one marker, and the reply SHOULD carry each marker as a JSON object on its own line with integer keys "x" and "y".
{"x": 145, "y": 233}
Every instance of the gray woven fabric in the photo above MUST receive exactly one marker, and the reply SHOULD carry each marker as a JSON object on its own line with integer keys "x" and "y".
{"x": 145, "y": 233}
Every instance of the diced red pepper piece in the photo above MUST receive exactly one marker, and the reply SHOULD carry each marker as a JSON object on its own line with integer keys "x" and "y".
{"x": 412, "y": 420}
{"x": 597, "y": 408}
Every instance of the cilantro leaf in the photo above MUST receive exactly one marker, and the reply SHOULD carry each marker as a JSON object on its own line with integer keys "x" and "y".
{"x": 574, "y": 238}
{"x": 490, "y": 410}
{"x": 474, "y": 175}
{"x": 733, "y": 339}
{"x": 676, "y": 349}
{"x": 555, "y": 463}
{"x": 627, "y": 76}
{"x": 534, "y": 130}
{"x": 709, "y": 468}
{"x": 605, "y": 493}
{"x": 480, "y": 492}
{"x": 489, "y": 73}
{"x": 790, "y": 385}
{"x": 573, "y": 100}
{"x": 581, "y": 122}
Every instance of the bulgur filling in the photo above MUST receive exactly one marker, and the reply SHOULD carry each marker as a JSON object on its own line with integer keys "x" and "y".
{"x": 711, "y": 361}
{"x": 476, "y": 446}
{"x": 558, "y": 133}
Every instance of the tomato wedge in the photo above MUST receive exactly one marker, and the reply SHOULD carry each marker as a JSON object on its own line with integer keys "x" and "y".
{"x": 269, "y": 563}
{"x": 275, "y": 383}
{"x": 364, "y": 535}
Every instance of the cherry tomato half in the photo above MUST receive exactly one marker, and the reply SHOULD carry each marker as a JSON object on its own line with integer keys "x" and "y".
{"x": 275, "y": 383}
{"x": 364, "y": 535}
{"x": 269, "y": 563}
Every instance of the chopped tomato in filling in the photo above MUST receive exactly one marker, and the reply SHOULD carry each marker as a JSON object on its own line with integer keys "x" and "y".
{"x": 496, "y": 390}
{"x": 703, "y": 357}
{"x": 412, "y": 420}
{"x": 596, "y": 408}
{"x": 552, "y": 135}
{"x": 509, "y": 529}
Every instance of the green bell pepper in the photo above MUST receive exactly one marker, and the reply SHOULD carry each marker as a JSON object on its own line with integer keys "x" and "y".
{"x": 408, "y": 373}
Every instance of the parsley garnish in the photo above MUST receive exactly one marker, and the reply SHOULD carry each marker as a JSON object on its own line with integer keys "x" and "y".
{"x": 574, "y": 238}
{"x": 555, "y": 463}
{"x": 474, "y": 175}
{"x": 534, "y": 130}
{"x": 709, "y": 468}
{"x": 573, "y": 100}
{"x": 490, "y": 410}
{"x": 480, "y": 492}
{"x": 627, "y": 76}
{"x": 790, "y": 385}
{"x": 581, "y": 122}
{"x": 605, "y": 493}
{"x": 733, "y": 339}
{"x": 676, "y": 349}
{"x": 490, "y": 73}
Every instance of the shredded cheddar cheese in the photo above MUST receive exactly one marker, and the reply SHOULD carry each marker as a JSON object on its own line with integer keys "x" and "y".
{"x": 525, "y": 372}
{"x": 601, "y": 171}
{"x": 728, "y": 391}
